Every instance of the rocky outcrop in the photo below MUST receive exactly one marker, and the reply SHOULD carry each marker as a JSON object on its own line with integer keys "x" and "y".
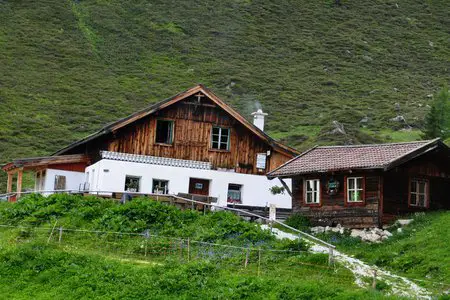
{"x": 372, "y": 235}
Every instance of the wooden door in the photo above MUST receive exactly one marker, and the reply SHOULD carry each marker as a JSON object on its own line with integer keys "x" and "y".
{"x": 199, "y": 186}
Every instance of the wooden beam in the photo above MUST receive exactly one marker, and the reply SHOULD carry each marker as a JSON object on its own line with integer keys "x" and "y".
{"x": 9, "y": 184}
{"x": 285, "y": 186}
{"x": 19, "y": 182}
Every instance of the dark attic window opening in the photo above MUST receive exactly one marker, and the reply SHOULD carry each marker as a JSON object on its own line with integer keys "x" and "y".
{"x": 164, "y": 132}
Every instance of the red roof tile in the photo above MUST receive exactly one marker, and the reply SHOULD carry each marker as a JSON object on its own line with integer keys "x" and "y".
{"x": 335, "y": 158}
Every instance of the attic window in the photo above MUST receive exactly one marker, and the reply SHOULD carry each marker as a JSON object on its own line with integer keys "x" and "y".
{"x": 220, "y": 138}
{"x": 164, "y": 132}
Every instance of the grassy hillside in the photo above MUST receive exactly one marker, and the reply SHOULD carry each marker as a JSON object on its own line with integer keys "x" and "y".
{"x": 82, "y": 265}
{"x": 420, "y": 251}
{"x": 68, "y": 67}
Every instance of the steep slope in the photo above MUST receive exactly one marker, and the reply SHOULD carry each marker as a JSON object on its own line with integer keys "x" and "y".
{"x": 67, "y": 67}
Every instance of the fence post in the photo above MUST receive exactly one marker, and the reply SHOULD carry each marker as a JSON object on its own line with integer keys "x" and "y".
{"x": 51, "y": 233}
{"x": 188, "y": 250}
{"x": 146, "y": 235}
{"x": 60, "y": 234}
{"x": 259, "y": 261}
{"x": 330, "y": 256}
{"x": 374, "y": 282}
{"x": 181, "y": 249}
{"x": 246, "y": 259}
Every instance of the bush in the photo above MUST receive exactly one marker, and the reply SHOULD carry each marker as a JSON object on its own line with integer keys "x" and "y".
{"x": 298, "y": 222}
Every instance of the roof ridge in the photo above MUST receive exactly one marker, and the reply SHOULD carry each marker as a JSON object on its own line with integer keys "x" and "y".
{"x": 380, "y": 144}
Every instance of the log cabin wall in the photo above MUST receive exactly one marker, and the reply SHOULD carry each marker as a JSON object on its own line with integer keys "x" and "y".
{"x": 193, "y": 123}
{"x": 431, "y": 167}
{"x": 333, "y": 209}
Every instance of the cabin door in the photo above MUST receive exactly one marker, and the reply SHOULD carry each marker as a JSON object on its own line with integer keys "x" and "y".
{"x": 199, "y": 186}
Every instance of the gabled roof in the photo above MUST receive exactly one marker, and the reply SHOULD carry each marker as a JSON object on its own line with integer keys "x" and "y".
{"x": 33, "y": 162}
{"x": 354, "y": 157}
{"x": 112, "y": 127}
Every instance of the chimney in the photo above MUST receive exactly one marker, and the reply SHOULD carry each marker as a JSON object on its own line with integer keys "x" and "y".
{"x": 258, "y": 119}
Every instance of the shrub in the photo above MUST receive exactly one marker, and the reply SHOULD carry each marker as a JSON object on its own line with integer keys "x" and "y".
{"x": 298, "y": 221}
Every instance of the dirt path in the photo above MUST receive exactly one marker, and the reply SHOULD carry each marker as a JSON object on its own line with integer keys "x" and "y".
{"x": 400, "y": 286}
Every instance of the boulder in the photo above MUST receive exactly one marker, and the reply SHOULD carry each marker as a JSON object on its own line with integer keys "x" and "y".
{"x": 387, "y": 233}
{"x": 357, "y": 233}
{"x": 404, "y": 222}
{"x": 317, "y": 229}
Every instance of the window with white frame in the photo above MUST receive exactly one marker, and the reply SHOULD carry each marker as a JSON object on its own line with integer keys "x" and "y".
{"x": 220, "y": 138}
{"x": 160, "y": 186}
{"x": 418, "y": 192}
{"x": 355, "y": 189}
{"x": 132, "y": 184}
{"x": 312, "y": 191}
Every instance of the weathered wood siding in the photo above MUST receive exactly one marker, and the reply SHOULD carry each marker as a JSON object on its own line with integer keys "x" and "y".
{"x": 192, "y": 138}
{"x": 333, "y": 209}
{"x": 432, "y": 167}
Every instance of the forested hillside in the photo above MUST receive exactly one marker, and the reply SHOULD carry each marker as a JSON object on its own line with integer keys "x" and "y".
{"x": 68, "y": 67}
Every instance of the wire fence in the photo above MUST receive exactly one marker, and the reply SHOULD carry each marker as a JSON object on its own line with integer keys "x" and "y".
{"x": 146, "y": 246}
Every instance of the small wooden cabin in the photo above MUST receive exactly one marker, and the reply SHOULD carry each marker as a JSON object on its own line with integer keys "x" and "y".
{"x": 368, "y": 185}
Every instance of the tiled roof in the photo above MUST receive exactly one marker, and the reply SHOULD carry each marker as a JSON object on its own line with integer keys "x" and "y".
{"x": 335, "y": 158}
{"x": 155, "y": 160}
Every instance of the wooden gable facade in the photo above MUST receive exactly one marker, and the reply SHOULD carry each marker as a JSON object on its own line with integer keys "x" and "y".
{"x": 192, "y": 116}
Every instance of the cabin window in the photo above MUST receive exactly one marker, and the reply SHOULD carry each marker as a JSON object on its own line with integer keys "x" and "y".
{"x": 418, "y": 193}
{"x": 355, "y": 189}
{"x": 220, "y": 138}
{"x": 160, "y": 186}
{"x": 312, "y": 191}
{"x": 234, "y": 193}
{"x": 60, "y": 182}
{"x": 132, "y": 184}
{"x": 164, "y": 132}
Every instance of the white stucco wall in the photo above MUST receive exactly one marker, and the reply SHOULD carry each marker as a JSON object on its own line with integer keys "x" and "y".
{"x": 73, "y": 179}
{"x": 109, "y": 175}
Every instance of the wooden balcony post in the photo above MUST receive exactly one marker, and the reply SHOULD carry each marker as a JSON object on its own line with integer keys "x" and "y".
{"x": 9, "y": 183}
{"x": 19, "y": 182}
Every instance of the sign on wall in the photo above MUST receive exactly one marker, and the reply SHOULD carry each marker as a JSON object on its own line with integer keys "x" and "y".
{"x": 261, "y": 160}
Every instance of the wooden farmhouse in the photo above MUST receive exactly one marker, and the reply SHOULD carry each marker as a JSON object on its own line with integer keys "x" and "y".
{"x": 368, "y": 185}
{"x": 190, "y": 144}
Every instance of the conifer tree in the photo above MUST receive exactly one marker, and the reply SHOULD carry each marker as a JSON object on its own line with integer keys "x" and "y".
{"x": 437, "y": 121}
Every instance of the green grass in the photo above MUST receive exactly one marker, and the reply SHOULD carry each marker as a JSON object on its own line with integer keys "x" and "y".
{"x": 41, "y": 271}
{"x": 36, "y": 264}
{"x": 68, "y": 67}
{"x": 420, "y": 252}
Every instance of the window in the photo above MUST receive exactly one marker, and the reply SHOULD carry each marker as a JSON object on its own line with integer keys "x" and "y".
{"x": 220, "y": 138}
{"x": 164, "y": 132}
{"x": 60, "y": 182}
{"x": 312, "y": 191}
{"x": 418, "y": 192}
{"x": 160, "y": 186}
{"x": 132, "y": 184}
{"x": 234, "y": 193}
{"x": 354, "y": 189}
